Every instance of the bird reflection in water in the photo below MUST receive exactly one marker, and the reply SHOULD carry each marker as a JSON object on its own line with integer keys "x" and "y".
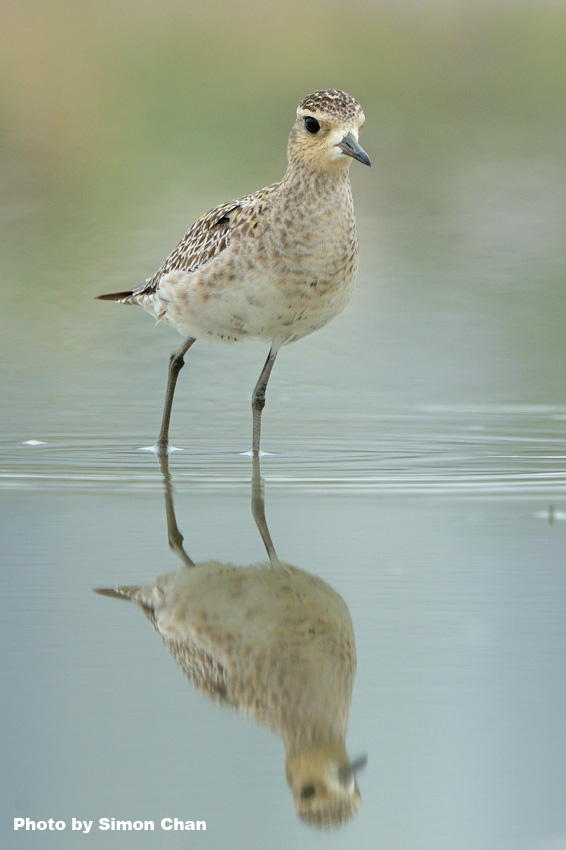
{"x": 273, "y": 641}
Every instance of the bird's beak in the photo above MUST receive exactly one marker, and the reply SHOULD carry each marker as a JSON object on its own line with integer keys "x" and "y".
{"x": 347, "y": 773}
{"x": 351, "y": 147}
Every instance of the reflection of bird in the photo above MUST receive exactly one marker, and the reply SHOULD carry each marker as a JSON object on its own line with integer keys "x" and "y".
{"x": 276, "y": 265}
{"x": 276, "y": 643}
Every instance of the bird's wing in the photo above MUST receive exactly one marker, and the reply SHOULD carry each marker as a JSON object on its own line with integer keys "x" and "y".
{"x": 206, "y": 239}
{"x": 209, "y": 236}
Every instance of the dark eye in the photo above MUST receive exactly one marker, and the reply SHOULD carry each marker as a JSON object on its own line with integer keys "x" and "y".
{"x": 312, "y": 124}
{"x": 307, "y": 791}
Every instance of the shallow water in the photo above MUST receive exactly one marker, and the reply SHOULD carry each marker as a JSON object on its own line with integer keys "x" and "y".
{"x": 417, "y": 463}
{"x": 445, "y": 534}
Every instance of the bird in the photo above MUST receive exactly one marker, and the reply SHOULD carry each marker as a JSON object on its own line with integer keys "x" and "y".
{"x": 272, "y": 266}
{"x": 273, "y": 641}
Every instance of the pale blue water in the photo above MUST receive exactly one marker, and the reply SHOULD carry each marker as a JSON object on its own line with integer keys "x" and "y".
{"x": 446, "y": 539}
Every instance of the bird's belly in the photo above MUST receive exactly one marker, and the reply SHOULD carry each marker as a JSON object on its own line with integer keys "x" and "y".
{"x": 255, "y": 305}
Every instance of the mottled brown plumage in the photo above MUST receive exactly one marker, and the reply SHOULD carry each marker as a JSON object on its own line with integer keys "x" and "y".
{"x": 275, "y": 265}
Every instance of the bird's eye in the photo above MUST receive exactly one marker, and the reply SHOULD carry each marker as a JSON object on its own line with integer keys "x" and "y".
{"x": 307, "y": 791}
{"x": 312, "y": 124}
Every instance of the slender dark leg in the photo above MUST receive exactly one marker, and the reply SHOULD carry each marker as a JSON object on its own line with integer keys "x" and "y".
{"x": 258, "y": 397}
{"x": 176, "y": 363}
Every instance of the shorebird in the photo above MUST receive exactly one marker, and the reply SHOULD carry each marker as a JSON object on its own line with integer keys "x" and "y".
{"x": 273, "y": 266}
{"x": 273, "y": 641}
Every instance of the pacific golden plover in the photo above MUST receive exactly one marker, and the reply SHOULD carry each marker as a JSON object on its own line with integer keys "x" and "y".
{"x": 275, "y": 642}
{"x": 276, "y": 265}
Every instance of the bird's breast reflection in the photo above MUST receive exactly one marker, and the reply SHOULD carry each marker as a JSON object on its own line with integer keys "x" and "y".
{"x": 275, "y": 642}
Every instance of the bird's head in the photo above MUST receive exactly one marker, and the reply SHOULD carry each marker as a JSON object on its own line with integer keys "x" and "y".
{"x": 325, "y": 134}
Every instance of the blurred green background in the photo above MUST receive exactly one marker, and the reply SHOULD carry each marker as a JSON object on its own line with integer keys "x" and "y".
{"x": 122, "y": 122}
{"x": 107, "y": 106}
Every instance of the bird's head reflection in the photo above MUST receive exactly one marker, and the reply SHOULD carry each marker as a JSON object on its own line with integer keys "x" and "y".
{"x": 273, "y": 641}
{"x": 323, "y": 783}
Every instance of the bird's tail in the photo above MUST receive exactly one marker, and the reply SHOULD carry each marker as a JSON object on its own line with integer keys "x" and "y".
{"x": 127, "y": 297}
{"x": 126, "y": 592}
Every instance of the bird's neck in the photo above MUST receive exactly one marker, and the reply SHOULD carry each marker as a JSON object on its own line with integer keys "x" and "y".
{"x": 306, "y": 191}
{"x": 307, "y": 178}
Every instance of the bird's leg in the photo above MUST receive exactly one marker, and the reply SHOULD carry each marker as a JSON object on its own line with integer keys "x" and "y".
{"x": 258, "y": 397}
{"x": 176, "y": 363}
